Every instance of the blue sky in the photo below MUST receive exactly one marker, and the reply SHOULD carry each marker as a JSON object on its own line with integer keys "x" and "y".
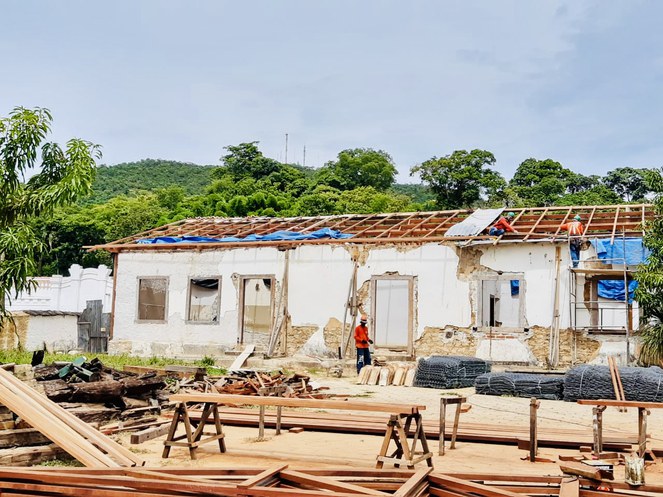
{"x": 576, "y": 81}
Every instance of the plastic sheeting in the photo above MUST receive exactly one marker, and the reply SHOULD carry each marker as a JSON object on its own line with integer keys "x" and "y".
{"x": 475, "y": 223}
{"x": 272, "y": 237}
{"x": 630, "y": 251}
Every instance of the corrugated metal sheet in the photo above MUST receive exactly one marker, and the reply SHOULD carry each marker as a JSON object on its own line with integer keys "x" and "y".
{"x": 475, "y": 223}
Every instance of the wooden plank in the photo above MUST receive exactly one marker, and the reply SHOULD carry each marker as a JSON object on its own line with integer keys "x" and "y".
{"x": 149, "y": 433}
{"x": 262, "y": 476}
{"x": 326, "y": 483}
{"x": 463, "y": 486}
{"x": 241, "y": 359}
{"x": 413, "y": 482}
{"x": 120, "y": 453}
{"x": 584, "y": 470}
{"x": 620, "y": 403}
{"x": 65, "y": 437}
{"x": 570, "y": 487}
{"x": 228, "y": 399}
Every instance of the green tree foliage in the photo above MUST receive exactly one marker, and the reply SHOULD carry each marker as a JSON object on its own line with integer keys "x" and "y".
{"x": 359, "y": 167}
{"x": 148, "y": 175}
{"x": 60, "y": 176}
{"x": 246, "y": 159}
{"x": 649, "y": 293}
{"x": 541, "y": 182}
{"x": 629, "y": 183}
{"x": 462, "y": 179}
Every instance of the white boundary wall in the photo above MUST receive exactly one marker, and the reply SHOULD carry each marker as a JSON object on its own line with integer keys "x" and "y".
{"x": 68, "y": 293}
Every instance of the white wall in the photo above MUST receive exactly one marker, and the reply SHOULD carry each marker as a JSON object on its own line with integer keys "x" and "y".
{"x": 58, "y": 333}
{"x": 319, "y": 278}
{"x": 537, "y": 262}
{"x": 68, "y": 293}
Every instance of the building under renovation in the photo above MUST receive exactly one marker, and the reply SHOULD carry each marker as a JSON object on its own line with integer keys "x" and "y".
{"x": 430, "y": 282}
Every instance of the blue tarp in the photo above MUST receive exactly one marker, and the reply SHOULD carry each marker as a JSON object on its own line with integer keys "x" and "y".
{"x": 276, "y": 236}
{"x": 629, "y": 251}
{"x": 515, "y": 287}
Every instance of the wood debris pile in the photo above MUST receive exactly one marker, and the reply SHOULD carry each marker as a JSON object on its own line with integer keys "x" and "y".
{"x": 247, "y": 382}
{"x": 97, "y": 393}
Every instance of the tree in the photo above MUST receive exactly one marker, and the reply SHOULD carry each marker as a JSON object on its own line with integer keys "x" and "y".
{"x": 358, "y": 167}
{"x": 649, "y": 293}
{"x": 629, "y": 183}
{"x": 246, "y": 159}
{"x": 541, "y": 182}
{"x": 59, "y": 177}
{"x": 462, "y": 179}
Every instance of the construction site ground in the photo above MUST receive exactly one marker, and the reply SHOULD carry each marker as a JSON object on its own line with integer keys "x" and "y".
{"x": 319, "y": 449}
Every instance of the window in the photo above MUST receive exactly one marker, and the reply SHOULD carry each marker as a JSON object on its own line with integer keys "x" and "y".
{"x": 152, "y": 294}
{"x": 501, "y": 303}
{"x": 204, "y": 300}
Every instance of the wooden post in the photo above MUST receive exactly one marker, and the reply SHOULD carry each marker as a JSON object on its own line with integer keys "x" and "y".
{"x": 597, "y": 426}
{"x": 533, "y": 438}
{"x": 278, "y": 419}
{"x": 443, "y": 419}
{"x": 642, "y": 431}
{"x": 455, "y": 430}
{"x": 261, "y": 422}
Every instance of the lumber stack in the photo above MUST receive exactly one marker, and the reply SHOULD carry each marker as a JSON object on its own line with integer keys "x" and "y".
{"x": 369, "y": 424}
{"x": 71, "y": 434}
{"x": 388, "y": 374}
{"x": 281, "y": 480}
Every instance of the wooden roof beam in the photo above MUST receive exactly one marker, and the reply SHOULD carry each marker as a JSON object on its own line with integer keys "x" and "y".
{"x": 536, "y": 224}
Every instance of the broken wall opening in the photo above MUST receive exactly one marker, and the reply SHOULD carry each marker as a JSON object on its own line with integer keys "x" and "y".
{"x": 256, "y": 308}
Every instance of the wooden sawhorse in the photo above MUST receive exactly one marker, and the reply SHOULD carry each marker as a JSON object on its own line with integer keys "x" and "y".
{"x": 398, "y": 429}
{"x": 444, "y": 401}
{"x": 194, "y": 430}
{"x": 643, "y": 412}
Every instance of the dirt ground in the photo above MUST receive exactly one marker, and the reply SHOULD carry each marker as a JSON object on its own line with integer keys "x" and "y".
{"x": 317, "y": 449}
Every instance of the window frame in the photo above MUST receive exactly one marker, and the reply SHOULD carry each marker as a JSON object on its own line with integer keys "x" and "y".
{"x": 165, "y": 307}
{"x": 188, "y": 319}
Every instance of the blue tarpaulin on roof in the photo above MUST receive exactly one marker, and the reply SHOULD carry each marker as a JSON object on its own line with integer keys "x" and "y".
{"x": 276, "y": 236}
{"x": 630, "y": 251}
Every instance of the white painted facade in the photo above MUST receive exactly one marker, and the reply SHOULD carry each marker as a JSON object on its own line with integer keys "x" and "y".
{"x": 444, "y": 294}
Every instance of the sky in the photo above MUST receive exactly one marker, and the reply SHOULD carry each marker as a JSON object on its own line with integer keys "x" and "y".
{"x": 576, "y": 81}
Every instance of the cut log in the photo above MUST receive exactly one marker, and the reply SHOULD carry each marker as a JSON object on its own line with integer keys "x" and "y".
{"x": 150, "y": 433}
{"x": 57, "y": 390}
{"x": 30, "y": 456}
{"x": 135, "y": 386}
{"x": 22, "y": 438}
{"x": 584, "y": 470}
{"x": 98, "y": 391}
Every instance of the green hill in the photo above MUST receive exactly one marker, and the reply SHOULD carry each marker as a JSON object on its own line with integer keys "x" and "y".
{"x": 148, "y": 174}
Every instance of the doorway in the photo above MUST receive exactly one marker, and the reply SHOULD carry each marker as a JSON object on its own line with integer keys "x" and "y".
{"x": 392, "y": 312}
{"x": 256, "y": 305}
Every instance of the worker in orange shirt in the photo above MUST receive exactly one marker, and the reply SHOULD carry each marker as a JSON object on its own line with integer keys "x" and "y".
{"x": 503, "y": 225}
{"x": 362, "y": 341}
{"x": 575, "y": 229}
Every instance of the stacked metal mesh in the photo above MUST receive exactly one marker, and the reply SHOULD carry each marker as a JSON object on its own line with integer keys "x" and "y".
{"x": 595, "y": 382}
{"x": 540, "y": 386}
{"x": 449, "y": 371}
